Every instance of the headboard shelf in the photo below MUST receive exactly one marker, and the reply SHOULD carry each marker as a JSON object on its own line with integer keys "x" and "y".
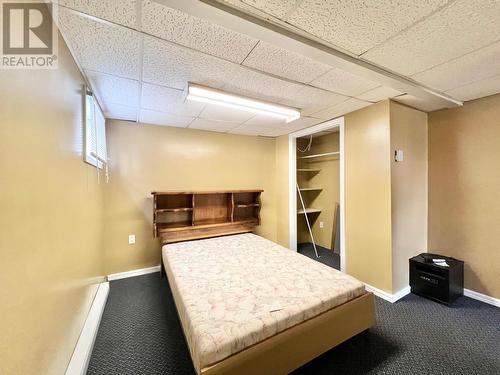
{"x": 181, "y": 216}
{"x": 247, "y": 205}
{"x": 180, "y": 209}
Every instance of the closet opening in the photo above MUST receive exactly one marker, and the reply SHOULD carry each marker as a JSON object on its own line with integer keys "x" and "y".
{"x": 316, "y": 201}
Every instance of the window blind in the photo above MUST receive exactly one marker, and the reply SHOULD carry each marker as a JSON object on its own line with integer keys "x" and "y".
{"x": 95, "y": 133}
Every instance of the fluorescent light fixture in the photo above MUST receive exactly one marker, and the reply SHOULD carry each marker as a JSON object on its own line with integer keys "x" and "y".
{"x": 212, "y": 96}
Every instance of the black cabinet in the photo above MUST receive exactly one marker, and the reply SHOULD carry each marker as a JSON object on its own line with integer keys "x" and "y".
{"x": 439, "y": 283}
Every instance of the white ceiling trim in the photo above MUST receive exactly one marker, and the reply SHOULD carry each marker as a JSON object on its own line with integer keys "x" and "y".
{"x": 275, "y": 34}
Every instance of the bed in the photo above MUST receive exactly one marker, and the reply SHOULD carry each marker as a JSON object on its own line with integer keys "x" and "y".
{"x": 250, "y": 306}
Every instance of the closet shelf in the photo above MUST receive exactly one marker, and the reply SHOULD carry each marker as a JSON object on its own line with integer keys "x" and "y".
{"x": 310, "y": 189}
{"x": 319, "y": 155}
{"x": 247, "y": 205}
{"x": 180, "y": 209}
{"x": 308, "y": 170}
{"x": 308, "y": 211}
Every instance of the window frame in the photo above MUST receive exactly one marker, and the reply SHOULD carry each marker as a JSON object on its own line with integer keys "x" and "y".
{"x": 91, "y": 105}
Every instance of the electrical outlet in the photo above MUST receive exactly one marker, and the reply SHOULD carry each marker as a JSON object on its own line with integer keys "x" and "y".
{"x": 321, "y": 224}
{"x": 131, "y": 239}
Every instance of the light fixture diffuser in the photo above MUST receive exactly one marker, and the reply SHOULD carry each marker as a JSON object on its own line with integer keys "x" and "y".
{"x": 209, "y": 95}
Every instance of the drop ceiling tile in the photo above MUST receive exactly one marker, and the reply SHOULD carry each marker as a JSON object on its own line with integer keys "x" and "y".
{"x": 378, "y": 94}
{"x": 277, "y": 132}
{"x": 243, "y": 81}
{"x": 459, "y": 28}
{"x": 359, "y": 25}
{"x": 252, "y": 130}
{"x": 122, "y": 12}
{"x": 350, "y": 105}
{"x": 267, "y": 121}
{"x": 218, "y": 113}
{"x": 469, "y": 68}
{"x": 344, "y": 82}
{"x": 114, "y": 89}
{"x": 269, "y": 58}
{"x": 302, "y": 123}
{"x": 119, "y": 112}
{"x": 477, "y": 89}
{"x": 101, "y": 46}
{"x": 270, "y": 122}
{"x": 216, "y": 126}
{"x": 276, "y": 8}
{"x": 193, "y": 32}
{"x": 297, "y": 125}
{"x": 166, "y": 119}
{"x": 173, "y": 66}
{"x": 310, "y": 99}
{"x": 417, "y": 103}
{"x": 164, "y": 99}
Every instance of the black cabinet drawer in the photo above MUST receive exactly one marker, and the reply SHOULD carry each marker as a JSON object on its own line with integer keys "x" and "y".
{"x": 433, "y": 285}
{"x": 443, "y": 284}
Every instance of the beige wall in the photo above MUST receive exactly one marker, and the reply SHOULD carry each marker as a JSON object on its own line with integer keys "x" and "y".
{"x": 147, "y": 157}
{"x": 282, "y": 222}
{"x": 51, "y": 216}
{"x": 368, "y": 195}
{"x": 464, "y": 183}
{"x": 408, "y": 190}
{"x": 328, "y": 180}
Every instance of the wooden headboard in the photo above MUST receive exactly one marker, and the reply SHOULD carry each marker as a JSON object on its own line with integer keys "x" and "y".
{"x": 180, "y": 216}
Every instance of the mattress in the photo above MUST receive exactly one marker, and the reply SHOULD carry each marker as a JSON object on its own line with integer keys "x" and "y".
{"x": 232, "y": 292}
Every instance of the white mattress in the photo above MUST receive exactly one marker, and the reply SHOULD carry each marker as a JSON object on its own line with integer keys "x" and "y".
{"x": 234, "y": 291}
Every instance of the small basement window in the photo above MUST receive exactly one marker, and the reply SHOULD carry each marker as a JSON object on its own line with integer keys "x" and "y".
{"x": 95, "y": 134}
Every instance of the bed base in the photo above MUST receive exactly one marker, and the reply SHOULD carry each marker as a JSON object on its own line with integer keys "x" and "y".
{"x": 297, "y": 345}
{"x": 294, "y": 347}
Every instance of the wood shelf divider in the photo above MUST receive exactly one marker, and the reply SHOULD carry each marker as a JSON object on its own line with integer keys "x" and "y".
{"x": 232, "y": 208}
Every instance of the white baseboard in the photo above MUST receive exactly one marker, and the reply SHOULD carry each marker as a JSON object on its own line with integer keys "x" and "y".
{"x": 81, "y": 355}
{"x": 138, "y": 272}
{"x": 403, "y": 292}
{"x": 482, "y": 297}
{"x": 388, "y": 296}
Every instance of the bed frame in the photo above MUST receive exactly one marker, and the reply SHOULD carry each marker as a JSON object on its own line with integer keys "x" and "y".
{"x": 295, "y": 346}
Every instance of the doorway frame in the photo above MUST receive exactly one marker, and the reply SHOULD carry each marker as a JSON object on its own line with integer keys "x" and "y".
{"x": 292, "y": 182}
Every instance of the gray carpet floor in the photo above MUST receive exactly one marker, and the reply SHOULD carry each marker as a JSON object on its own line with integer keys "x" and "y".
{"x": 326, "y": 256}
{"x": 140, "y": 333}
